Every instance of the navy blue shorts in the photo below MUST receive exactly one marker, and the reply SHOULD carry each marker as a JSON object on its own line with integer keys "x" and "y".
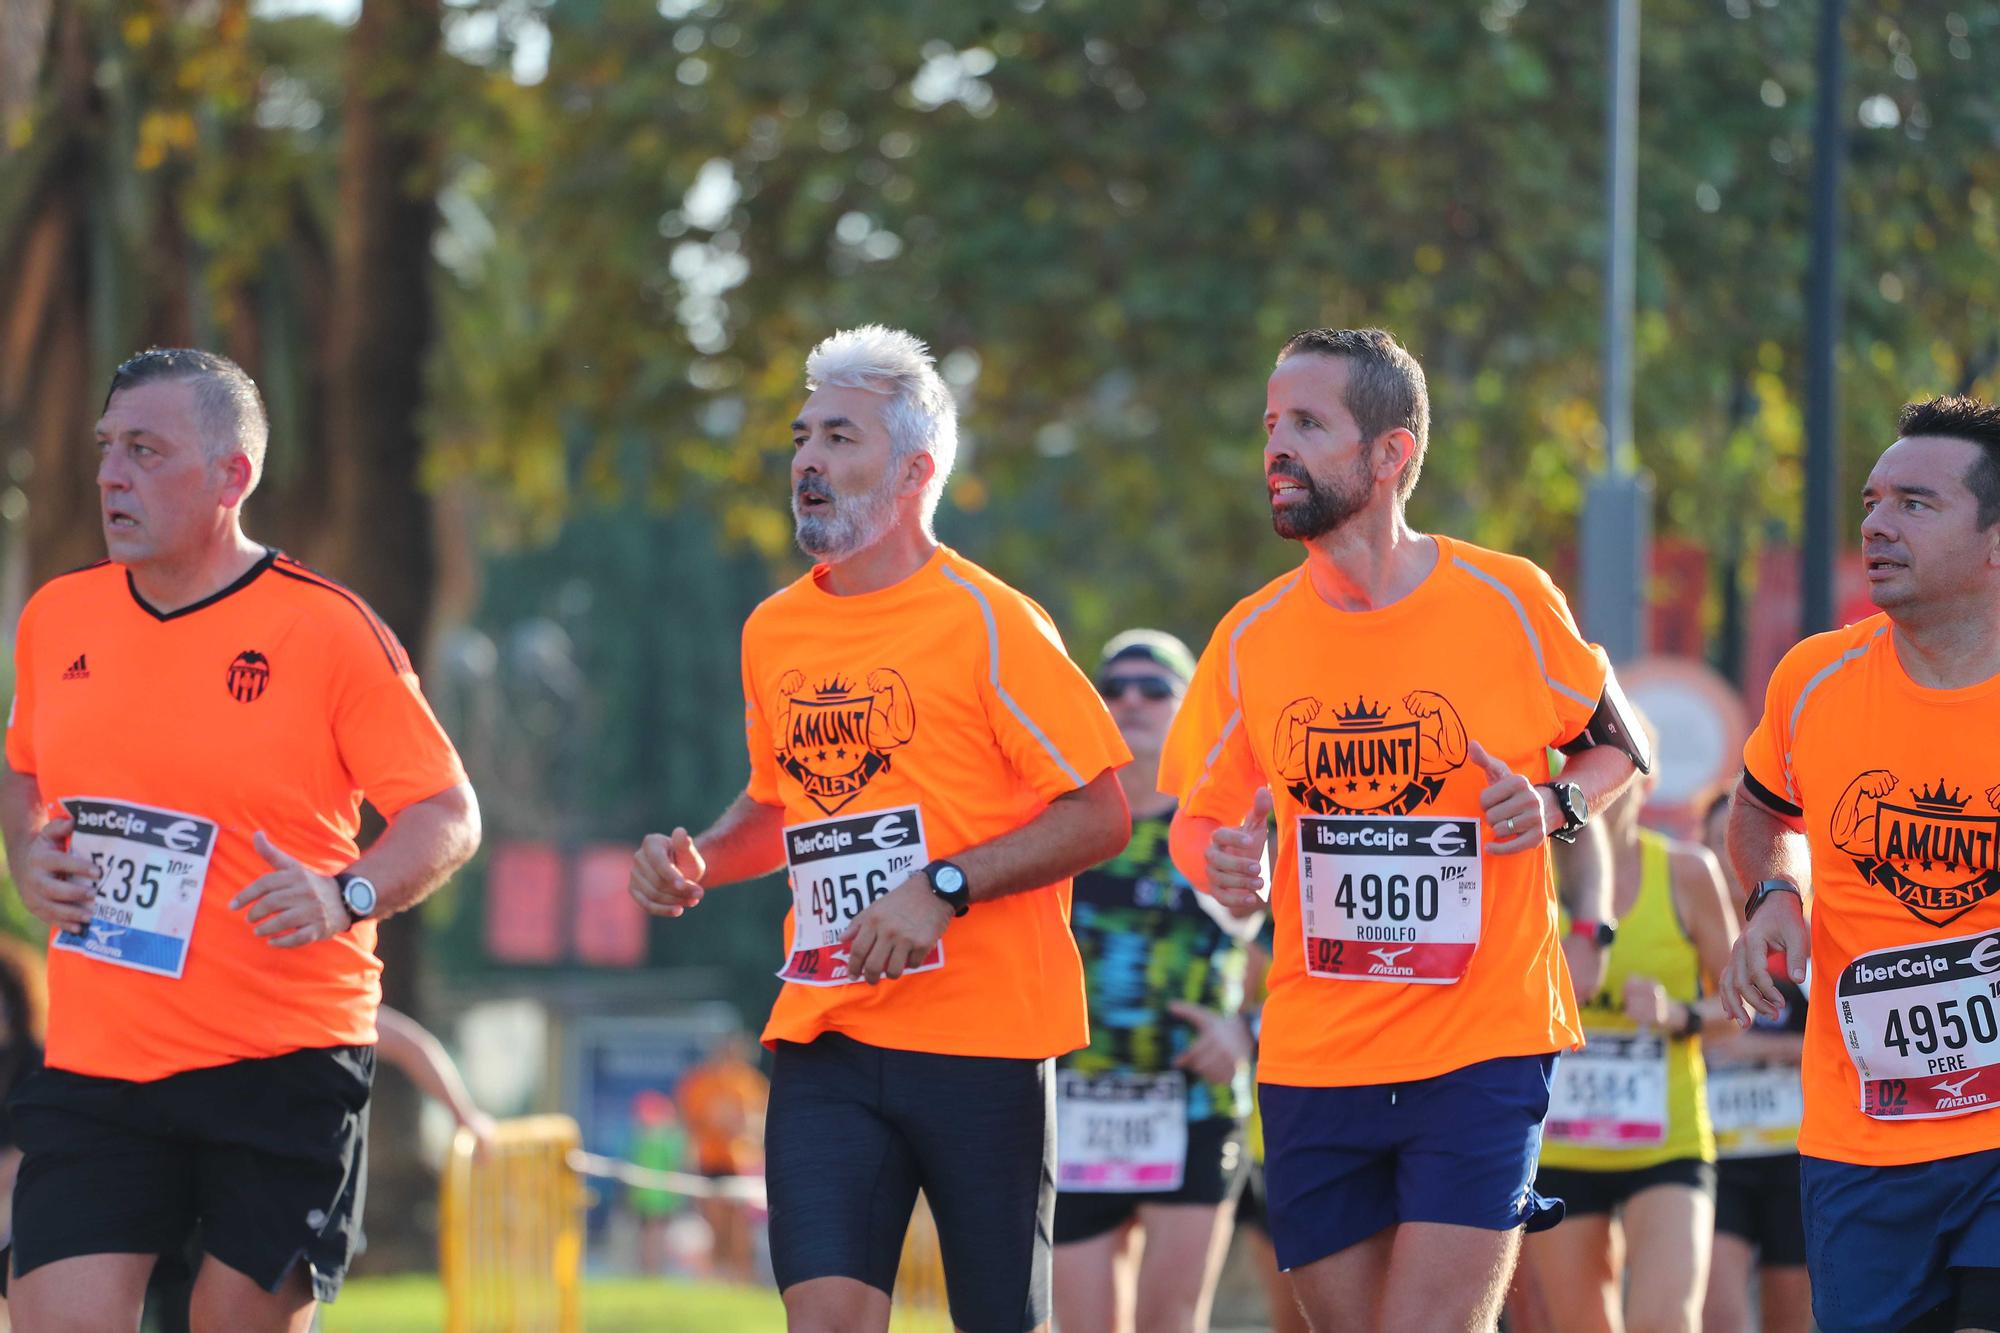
{"x": 1881, "y": 1240}
{"x": 1341, "y": 1164}
{"x": 854, "y": 1131}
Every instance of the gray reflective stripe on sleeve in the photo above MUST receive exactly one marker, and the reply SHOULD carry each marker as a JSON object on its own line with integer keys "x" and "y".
{"x": 993, "y": 674}
{"x": 1527, "y": 628}
{"x": 1819, "y": 678}
{"x": 1235, "y": 687}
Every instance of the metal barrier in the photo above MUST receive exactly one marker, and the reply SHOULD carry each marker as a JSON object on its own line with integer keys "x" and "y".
{"x": 920, "y": 1305}
{"x": 510, "y": 1229}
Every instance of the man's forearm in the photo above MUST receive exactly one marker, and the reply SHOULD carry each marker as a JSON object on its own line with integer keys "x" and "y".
{"x": 746, "y": 841}
{"x": 1762, "y": 845}
{"x": 1076, "y": 831}
{"x": 423, "y": 844}
{"x": 1601, "y": 772}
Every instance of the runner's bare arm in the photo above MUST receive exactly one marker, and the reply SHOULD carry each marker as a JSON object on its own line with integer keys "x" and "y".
{"x": 56, "y": 887}
{"x": 1701, "y": 899}
{"x": 1583, "y": 882}
{"x": 424, "y": 843}
{"x": 1766, "y": 844}
{"x": 1073, "y": 832}
{"x": 1601, "y": 772}
{"x": 671, "y": 870}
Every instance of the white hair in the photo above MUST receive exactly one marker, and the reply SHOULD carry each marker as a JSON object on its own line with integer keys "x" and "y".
{"x": 921, "y": 415}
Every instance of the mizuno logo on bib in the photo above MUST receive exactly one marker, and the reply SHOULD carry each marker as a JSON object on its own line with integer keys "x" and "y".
{"x": 1389, "y": 897}
{"x": 151, "y": 864}
{"x": 839, "y": 867}
{"x": 1922, "y": 1026}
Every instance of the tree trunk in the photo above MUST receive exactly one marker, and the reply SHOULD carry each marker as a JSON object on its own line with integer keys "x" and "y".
{"x": 379, "y": 539}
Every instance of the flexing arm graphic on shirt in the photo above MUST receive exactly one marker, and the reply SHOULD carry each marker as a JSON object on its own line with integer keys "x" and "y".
{"x": 1291, "y": 738}
{"x": 1441, "y": 737}
{"x": 1853, "y": 826}
{"x": 789, "y": 685}
{"x": 893, "y": 718}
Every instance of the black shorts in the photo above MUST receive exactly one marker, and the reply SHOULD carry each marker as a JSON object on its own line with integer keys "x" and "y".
{"x": 854, "y": 1131}
{"x": 1757, "y": 1199}
{"x": 260, "y": 1163}
{"x": 1584, "y": 1192}
{"x": 1217, "y": 1162}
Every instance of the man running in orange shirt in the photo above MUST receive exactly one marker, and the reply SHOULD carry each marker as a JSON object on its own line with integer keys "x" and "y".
{"x": 1394, "y": 698}
{"x": 1873, "y": 782}
{"x": 931, "y": 768}
{"x": 196, "y": 722}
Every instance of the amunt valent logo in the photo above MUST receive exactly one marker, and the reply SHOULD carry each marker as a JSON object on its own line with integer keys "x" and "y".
{"x": 836, "y": 737}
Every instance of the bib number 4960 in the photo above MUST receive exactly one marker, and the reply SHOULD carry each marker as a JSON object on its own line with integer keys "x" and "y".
{"x": 1389, "y": 897}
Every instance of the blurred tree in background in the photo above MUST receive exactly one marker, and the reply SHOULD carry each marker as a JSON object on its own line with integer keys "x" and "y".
{"x": 529, "y": 286}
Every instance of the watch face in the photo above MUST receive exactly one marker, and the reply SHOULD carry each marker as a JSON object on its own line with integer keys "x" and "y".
{"x": 950, "y": 879}
{"x": 359, "y": 895}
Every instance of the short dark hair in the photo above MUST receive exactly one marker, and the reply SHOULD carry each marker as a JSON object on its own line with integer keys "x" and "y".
{"x": 1385, "y": 389}
{"x": 1958, "y": 417}
{"x": 227, "y": 406}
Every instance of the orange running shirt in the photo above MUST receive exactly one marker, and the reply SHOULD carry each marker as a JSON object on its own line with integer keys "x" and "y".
{"x": 1358, "y": 723}
{"x": 1899, "y": 790}
{"x": 902, "y": 726}
{"x": 275, "y": 705}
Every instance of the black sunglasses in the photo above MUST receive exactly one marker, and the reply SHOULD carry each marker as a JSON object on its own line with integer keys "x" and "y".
{"x": 1149, "y": 687}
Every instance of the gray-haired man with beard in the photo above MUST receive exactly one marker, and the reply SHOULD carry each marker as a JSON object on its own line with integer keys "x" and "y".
{"x": 931, "y": 769}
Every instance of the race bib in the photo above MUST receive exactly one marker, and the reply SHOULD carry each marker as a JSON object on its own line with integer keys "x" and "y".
{"x": 838, "y": 867}
{"x": 1922, "y": 1026}
{"x": 151, "y": 864}
{"x": 1389, "y": 897}
{"x": 1119, "y": 1133}
{"x": 1610, "y": 1094}
{"x": 1756, "y": 1108}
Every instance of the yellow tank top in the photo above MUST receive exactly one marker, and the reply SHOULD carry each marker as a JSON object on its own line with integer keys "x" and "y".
{"x": 1633, "y": 1099}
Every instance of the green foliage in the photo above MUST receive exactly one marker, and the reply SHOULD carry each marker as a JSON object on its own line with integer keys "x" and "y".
{"x": 1107, "y": 214}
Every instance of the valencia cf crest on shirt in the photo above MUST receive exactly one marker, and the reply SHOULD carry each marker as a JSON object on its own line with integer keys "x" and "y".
{"x": 837, "y": 735}
{"x": 1366, "y": 757}
{"x": 1936, "y": 849}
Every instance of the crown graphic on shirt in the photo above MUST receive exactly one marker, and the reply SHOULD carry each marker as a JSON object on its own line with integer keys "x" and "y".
{"x": 1939, "y": 799}
{"x": 1362, "y": 711}
{"x": 834, "y": 687}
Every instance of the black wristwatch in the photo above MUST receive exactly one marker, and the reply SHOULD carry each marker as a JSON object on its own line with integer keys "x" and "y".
{"x": 1763, "y": 891}
{"x": 1569, "y": 800}
{"x": 357, "y": 894}
{"x": 948, "y": 883}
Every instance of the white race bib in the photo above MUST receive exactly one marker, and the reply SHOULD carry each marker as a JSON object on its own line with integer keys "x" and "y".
{"x": 1610, "y": 1094}
{"x": 1389, "y": 897}
{"x": 1119, "y": 1133}
{"x": 1922, "y": 1026}
{"x": 838, "y": 867}
{"x": 151, "y": 864}
{"x": 1756, "y": 1108}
